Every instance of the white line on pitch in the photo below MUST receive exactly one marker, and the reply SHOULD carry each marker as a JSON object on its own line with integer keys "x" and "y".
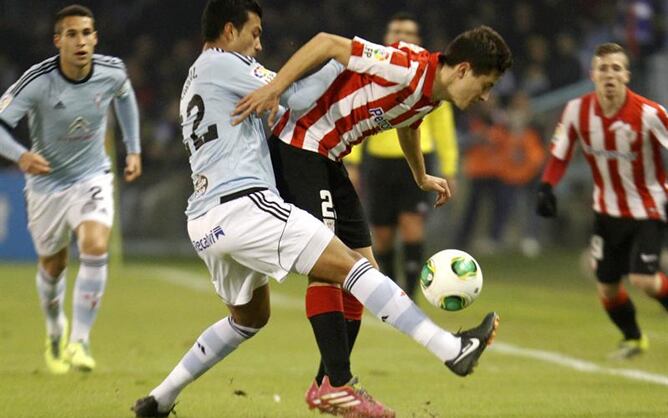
{"x": 577, "y": 364}
{"x": 199, "y": 282}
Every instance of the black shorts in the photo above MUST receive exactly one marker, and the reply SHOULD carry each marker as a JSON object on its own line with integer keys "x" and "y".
{"x": 321, "y": 187}
{"x": 622, "y": 246}
{"x": 392, "y": 190}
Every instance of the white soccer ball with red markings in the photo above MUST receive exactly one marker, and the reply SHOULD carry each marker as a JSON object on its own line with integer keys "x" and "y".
{"x": 451, "y": 280}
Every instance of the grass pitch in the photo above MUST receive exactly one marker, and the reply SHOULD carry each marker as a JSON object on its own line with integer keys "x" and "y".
{"x": 550, "y": 361}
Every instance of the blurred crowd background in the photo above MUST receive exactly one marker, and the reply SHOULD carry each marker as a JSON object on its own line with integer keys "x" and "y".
{"x": 502, "y": 143}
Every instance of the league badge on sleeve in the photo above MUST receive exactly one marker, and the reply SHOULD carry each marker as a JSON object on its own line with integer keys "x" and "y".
{"x": 559, "y": 133}
{"x": 261, "y": 73}
{"x": 5, "y": 100}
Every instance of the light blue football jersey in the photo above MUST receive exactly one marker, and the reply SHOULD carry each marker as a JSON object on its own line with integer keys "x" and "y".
{"x": 67, "y": 119}
{"x": 226, "y": 159}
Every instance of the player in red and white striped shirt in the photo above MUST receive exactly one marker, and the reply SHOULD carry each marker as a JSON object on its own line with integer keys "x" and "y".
{"x": 380, "y": 88}
{"x": 621, "y": 134}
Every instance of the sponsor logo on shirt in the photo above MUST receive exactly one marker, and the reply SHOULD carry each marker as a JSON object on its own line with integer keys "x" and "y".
{"x": 609, "y": 154}
{"x": 79, "y": 130}
{"x": 377, "y": 114}
{"x": 208, "y": 239}
{"x": 376, "y": 53}
{"x": 5, "y": 101}
{"x": 262, "y": 74}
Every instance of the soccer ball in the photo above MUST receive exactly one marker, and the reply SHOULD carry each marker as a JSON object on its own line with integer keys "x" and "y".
{"x": 451, "y": 280}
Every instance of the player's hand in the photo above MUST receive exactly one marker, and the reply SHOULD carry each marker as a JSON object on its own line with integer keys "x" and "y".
{"x": 33, "y": 163}
{"x": 132, "y": 167}
{"x": 258, "y": 102}
{"x": 438, "y": 185}
{"x": 546, "y": 202}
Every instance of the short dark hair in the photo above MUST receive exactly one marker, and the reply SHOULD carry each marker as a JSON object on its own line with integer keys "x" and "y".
{"x": 219, "y": 12}
{"x": 483, "y": 48}
{"x": 401, "y": 16}
{"x": 71, "y": 10}
{"x": 608, "y": 48}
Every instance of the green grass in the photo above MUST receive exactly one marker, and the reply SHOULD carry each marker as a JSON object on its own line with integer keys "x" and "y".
{"x": 148, "y": 321}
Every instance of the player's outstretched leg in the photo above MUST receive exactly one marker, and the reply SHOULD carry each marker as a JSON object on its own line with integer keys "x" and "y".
{"x": 212, "y": 346}
{"x": 88, "y": 290}
{"x": 51, "y": 293}
{"x": 381, "y": 296}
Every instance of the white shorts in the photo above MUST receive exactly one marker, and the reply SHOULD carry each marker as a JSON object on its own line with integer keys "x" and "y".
{"x": 53, "y": 216}
{"x": 253, "y": 237}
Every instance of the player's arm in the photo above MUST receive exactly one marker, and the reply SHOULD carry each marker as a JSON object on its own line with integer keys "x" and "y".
{"x": 409, "y": 139}
{"x": 127, "y": 113}
{"x": 442, "y": 124}
{"x": 563, "y": 144}
{"x": 14, "y": 105}
{"x": 320, "y": 49}
{"x": 302, "y": 94}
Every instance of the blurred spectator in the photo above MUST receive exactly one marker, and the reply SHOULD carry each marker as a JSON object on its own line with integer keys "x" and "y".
{"x": 482, "y": 151}
{"x": 566, "y": 68}
{"x": 522, "y": 159}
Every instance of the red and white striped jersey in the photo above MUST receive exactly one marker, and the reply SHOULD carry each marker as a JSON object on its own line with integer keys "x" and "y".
{"x": 623, "y": 152}
{"x": 383, "y": 87}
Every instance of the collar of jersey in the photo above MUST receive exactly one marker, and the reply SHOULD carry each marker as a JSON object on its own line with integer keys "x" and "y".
{"x": 83, "y": 80}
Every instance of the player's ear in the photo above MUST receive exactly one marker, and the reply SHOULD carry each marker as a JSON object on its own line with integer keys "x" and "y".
{"x": 229, "y": 31}
{"x": 56, "y": 40}
{"x": 462, "y": 68}
{"x": 95, "y": 38}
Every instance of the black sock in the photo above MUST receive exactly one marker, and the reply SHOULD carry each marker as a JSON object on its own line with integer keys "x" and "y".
{"x": 413, "y": 253}
{"x": 386, "y": 263}
{"x": 663, "y": 301}
{"x": 330, "y": 329}
{"x": 352, "y": 328}
{"x": 624, "y": 316}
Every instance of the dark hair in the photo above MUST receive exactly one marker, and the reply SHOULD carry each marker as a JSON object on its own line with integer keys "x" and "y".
{"x": 483, "y": 48}
{"x": 71, "y": 10}
{"x": 401, "y": 16}
{"x": 608, "y": 48}
{"x": 219, "y": 12}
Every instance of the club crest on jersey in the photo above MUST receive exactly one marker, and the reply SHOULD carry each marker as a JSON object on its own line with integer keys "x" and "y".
{"x": 377, "y": 53}
{"x": 5, "y": 101}
{"x": 200, "y": 184}
{"x": 262, "y": 74}
{"x": 377, "y": 114}
{"x": 208, "y": 239}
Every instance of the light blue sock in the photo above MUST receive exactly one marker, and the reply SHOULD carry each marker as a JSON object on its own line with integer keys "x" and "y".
{"x": 88, "y": 291}
{"x": 51, "y": 292}
{"x": 219, "y": 340}
{"x": 380, "y": 295}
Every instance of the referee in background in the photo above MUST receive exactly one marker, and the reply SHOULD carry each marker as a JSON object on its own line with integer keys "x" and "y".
{"x": 393, "y": 201}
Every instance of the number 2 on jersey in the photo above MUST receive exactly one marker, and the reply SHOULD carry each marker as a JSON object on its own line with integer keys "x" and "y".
{"x": 211, "y": 131}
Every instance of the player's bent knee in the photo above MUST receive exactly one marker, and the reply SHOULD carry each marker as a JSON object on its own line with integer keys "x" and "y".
{"x": 55, "y": 264}
{"x": 96, "y": 246}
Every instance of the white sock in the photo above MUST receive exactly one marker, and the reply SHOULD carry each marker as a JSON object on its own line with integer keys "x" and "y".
{"x": 219, "y": 340}
{"x": 88, "y": 291}
{"x": 380, "y": 295}
{"x": 51, "y": 292}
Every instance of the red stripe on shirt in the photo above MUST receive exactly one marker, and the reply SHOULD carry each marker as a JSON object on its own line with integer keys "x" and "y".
{"x": 610, "y": 144}
{"x": 585, "y": 108}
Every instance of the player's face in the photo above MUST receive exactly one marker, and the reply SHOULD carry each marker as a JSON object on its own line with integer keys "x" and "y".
{"x": 610, "y": 75}
{"x": 402, "y": 30}
{"x": 76, "y": 40}
{"x": 468, "y": 88}
{"x": 247, "y": 40}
